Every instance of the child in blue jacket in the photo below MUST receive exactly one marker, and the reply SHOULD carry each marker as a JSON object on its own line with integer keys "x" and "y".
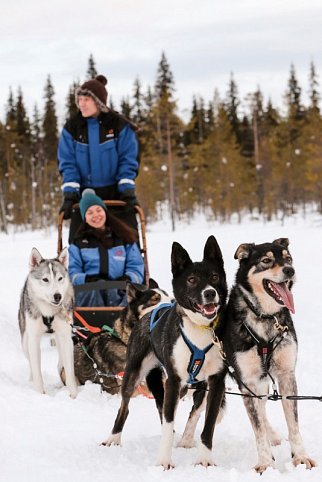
{"x": 104, "y": 248}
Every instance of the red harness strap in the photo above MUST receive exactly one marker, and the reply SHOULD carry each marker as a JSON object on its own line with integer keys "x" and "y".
{"x": 92, "y": 329}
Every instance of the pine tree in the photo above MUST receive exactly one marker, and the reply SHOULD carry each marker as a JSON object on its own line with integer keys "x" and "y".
{"x": 292, "y": 149}
{"x": 49, "y": 124}
{"x": 196, "y": 130}
{"x": 293, "y": 97}
{"x": 71, "y": 107}
{"x": 138, "y": 114}
{"x": 51, "y": 194}
{"x": 23, "y": 124}
{"x": 126, "y": 108}
{"x": 313, "y": 91}
{"x": 91, "y": 72}
{"x": 164, "y": 86}
{"x": 210, "y": 119}
{"x": 168, "y": 128}
{"x": 231, "y": 105}
{"x": 11, "y": 113}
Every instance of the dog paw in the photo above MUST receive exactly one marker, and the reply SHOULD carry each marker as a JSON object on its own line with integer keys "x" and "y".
{"x": 186, "y": 443}
{"x": 72, "y": 390}
{"x": 113, "y": 439}
{"x": 204, "y": 457}
{"x": 262, "y": 466}
{"x": 167, "y": 465}
{"x": 303, "y": 459}
{"x": 205, "y": 463}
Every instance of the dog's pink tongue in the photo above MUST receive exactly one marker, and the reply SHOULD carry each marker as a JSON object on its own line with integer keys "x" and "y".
{"x": 286, "y": 295}
{"x": 208, "y": 309}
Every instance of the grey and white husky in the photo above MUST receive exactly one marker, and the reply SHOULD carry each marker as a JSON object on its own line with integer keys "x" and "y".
{"x": 46, "y": 305}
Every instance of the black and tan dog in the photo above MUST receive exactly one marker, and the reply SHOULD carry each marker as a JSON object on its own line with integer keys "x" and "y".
{"x": 260, "y": 341}
{"x": 107, "y": 350}
{"x": 180, "y": 338}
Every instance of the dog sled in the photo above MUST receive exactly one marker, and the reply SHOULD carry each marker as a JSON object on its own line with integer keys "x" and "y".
{"x": 93, "y": 319}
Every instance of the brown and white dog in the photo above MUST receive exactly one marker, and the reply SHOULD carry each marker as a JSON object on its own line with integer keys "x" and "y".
{"x": 260, "y": 342}
{"x": 107, "y": 350}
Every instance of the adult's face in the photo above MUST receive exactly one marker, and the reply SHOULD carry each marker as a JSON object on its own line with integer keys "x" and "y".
{"x": 87, "y": 106}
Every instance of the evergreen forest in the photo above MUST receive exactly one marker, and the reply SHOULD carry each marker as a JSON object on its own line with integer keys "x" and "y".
{"x": 230, "y": 158}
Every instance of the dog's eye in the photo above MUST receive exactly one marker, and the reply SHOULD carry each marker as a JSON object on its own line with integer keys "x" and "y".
{"x": 192, "y": 280}
{"x": 45, "y": 280}
{"x": 266, "y": 260}
{"x": 60, "y": 278}
{"x": 214, "y": 277}
{"x": 288, "y": 259}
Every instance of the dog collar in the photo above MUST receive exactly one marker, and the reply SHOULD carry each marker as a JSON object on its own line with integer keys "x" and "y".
{"x": 263, "y": 316}
{"x": 47, "y": 320}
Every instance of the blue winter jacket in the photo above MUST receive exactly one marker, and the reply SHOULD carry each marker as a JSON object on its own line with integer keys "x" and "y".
{"x": 88, "y": 257}
{"x": 98, "y": 152}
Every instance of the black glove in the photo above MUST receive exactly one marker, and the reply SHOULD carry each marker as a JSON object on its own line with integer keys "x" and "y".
{"x": 90, "y": 278}
{"x": 129, "y": 196}
{"x": 70, "y": 198}
{"x": 125, "y": 277}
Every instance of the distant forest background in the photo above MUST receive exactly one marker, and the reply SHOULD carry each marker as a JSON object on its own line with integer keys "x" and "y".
{"x": 230, "y": 158}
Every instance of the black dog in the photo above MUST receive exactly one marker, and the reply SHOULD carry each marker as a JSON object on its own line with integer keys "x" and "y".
{"x": 260, "y": 341}
{"x": 182, "y": 340}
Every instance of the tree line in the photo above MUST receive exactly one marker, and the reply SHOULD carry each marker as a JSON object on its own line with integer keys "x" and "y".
{"x": 230, "y": 158}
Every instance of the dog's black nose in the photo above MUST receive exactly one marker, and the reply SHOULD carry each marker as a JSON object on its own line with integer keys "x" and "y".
{"x": 57, "y": 297}
{"x": 209, "y": 296}
{"x": 289, "y": 271}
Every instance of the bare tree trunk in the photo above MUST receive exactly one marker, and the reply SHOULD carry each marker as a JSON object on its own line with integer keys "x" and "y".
{"x": 171, "y": 177}
{"x": 33, "y": 194}
{"x": 3, "y": 219}
{"x": 258, "y": 165}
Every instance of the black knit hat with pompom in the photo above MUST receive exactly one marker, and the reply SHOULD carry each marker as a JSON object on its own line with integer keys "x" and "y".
{"x": 95, "y": 88}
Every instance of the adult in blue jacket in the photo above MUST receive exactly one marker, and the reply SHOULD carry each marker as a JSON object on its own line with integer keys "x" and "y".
{"x": 98, "y": 148}
{"x": 104, "y": 248}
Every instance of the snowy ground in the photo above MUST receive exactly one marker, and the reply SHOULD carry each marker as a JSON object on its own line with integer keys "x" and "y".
{"x": 51, "y": 437}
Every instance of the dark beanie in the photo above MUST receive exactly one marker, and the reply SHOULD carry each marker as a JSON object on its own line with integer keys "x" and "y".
{"x": 89, "y": 198}
{"x": 95, "y": 88}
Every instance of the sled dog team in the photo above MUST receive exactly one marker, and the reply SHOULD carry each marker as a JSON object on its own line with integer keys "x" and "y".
{"x": 190, "y": 342}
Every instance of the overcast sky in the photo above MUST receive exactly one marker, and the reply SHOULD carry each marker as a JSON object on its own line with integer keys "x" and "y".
{"x": 204, "y": 41}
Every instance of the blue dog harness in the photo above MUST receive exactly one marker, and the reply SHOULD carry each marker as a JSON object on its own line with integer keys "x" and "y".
{"x": 154, "y": 314}
{"x": 196, "y": 360}
{"x": 197, "y": 355}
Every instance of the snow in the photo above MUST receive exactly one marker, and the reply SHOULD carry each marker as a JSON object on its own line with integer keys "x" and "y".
{"x": 54, "y": 438}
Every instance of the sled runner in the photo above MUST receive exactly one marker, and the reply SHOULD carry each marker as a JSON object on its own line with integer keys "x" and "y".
{"x": 91, "y": 319}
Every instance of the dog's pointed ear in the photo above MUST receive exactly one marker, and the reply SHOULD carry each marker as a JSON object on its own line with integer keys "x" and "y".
{"x": 35, "y": 259}
{"x": 63, "y": 258}
{"x": 212, "y": 251}
{"x": 180, "y": 259}
{"x": 282, "y": 242}
{"x": 131, "y": 292}
{"x": 153, "y": 285}
{"x": 243, "y": 251}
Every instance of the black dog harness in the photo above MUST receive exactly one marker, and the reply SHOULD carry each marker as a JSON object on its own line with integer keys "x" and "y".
{"x": 48, "y": 320}
{"x": 197, "y": 355}
{"x": 265, "y": 348}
